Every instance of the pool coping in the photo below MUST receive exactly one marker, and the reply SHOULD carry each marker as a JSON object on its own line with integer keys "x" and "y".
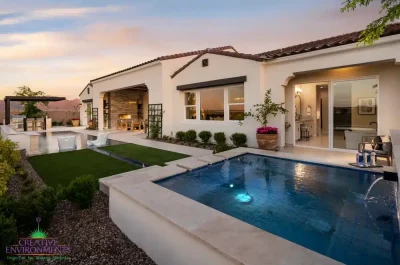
{"x": 240, "y": 242}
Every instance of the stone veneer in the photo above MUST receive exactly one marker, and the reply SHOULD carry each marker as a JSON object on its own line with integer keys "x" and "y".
{"x": 119, "y": 104}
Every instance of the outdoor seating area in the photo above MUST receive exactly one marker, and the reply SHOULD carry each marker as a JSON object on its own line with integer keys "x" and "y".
{"x": 130, "y": 124}
{"x": 100, "y": 141}
{"x": 381, "y": 145}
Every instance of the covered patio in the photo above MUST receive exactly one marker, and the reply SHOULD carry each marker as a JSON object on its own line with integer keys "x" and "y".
{"x": 35, "y": 122}
{"x": 120, "y": 109}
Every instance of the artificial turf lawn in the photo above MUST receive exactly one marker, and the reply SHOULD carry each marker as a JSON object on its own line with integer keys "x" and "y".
{"x": 61, "y": 168}
{"x": 144, "y": 154}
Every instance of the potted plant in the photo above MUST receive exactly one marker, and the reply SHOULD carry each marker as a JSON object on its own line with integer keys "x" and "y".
{"x": 267, "y": 137}
{"x": 75, "y": 122}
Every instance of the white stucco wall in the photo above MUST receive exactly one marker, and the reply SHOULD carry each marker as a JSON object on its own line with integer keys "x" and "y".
{"x": 165, "y": 243}
{"x": 170, "y": 114}
{"x": 278, "y": 72}
{"x": 220, "y": 67}
{"x": 85, "y": 95}
{"x": 150, "y": 75}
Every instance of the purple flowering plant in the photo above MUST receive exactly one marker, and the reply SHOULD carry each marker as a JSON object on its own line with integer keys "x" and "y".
{"x": 267, "y": 130}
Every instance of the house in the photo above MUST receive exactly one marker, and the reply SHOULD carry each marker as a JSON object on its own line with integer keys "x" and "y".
{"x": 335, "y": 92}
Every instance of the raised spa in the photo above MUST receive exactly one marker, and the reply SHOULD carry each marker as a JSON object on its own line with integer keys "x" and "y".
{"x": 319, "y": 207}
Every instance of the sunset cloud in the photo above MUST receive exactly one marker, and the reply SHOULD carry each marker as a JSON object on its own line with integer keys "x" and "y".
{"x": 51, "y": 13}
{"x": 62, "y": 48}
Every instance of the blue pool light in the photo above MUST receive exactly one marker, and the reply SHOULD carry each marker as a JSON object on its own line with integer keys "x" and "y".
{"x": 231, "y": 186}
{"x": 243, "y": 197}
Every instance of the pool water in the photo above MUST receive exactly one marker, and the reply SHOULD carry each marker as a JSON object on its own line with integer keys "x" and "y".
{"x": 319, "y": 207}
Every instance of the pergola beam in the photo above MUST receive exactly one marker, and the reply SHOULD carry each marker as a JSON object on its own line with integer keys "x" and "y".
{"x": 8, "y": 99}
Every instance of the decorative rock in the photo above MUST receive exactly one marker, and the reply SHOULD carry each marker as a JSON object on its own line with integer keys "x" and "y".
{"x": 92, "y": 236}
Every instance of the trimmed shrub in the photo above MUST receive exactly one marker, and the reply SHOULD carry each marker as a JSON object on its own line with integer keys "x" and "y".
{"x": 8, "y": 153}
{"x": 8, "y": 233}
{"x": 220, "y": 138}
{"x": 239, "y": 139}
{"x": 205, "y": 136}
{"x": 180, "y": 135}
{"x": 191, "y": 136}
{"x": 36, "y": 204}
{"x": 221, "y": 148}
{"x": 81, "y": 190}
{"x": 8, "y": 206}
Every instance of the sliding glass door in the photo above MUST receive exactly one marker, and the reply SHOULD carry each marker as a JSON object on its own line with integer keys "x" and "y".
{"x": 354, "y": 112}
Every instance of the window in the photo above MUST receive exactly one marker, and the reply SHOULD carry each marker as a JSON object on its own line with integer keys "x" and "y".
{"x": 190, "y": 105}
{"x": 215, "y": 104}
{"x": 212, "y": 104}
{"x": 236, "y": 103}
{"x": 88, "y": 90}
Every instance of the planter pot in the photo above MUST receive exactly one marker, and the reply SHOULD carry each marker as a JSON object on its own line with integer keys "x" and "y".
{"x": 267, "y": 141}
{"x": 75, "y": 123}
{"x": 90, "y": 124}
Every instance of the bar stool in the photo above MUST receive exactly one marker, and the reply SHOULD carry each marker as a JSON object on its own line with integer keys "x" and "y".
{"x": 304, "y": 132}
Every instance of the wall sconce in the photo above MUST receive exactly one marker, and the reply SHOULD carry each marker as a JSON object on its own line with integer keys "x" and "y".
{"x": 298, "y": 90}
{"x": 132, "y": 102}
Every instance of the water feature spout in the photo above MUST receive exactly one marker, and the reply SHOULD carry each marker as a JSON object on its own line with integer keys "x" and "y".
{"x": 372, "y": 185}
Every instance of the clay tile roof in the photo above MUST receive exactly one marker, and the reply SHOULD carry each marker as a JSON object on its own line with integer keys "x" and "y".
{"x": 344, "y": 39}
{"x": 219, "y": 52}
{"x": 166, "y": 57}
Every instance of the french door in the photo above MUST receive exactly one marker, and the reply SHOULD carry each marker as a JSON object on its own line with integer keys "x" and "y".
{"x": 353, "y": 112}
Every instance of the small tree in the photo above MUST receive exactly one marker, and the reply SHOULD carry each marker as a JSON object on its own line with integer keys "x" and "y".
{"x": 30, "y": 108}
{"x": 390, "y": 10}
{"x": 262, "y": 111}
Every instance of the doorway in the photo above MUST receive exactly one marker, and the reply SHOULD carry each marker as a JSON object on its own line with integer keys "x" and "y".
{"x": 312, "y": 115}
{"x": 338, "y": 114}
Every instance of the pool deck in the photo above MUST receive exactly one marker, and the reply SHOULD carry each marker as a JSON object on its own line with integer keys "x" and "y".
{"x": 235, "y": 241}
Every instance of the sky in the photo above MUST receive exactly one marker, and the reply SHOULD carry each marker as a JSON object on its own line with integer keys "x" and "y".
{"x": 59, "y": 46}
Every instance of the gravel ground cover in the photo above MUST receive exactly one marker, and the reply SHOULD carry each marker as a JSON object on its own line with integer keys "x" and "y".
{"x": 92, "y": 236}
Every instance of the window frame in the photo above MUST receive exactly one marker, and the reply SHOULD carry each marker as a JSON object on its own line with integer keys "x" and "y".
{"x": 235, "y": 104}
{"x": 190, "y": 106}
{"x": 226, "y": 103}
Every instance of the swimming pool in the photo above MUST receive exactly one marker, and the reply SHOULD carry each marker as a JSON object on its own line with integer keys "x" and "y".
{"x": 319, "y": 207}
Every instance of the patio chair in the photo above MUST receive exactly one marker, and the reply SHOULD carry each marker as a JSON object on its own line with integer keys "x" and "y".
{"x": 136, "y": 124}
{"x": 67, "y": 143}
{"x": 381, "y": 144}
{"x": 100, "y": 141}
